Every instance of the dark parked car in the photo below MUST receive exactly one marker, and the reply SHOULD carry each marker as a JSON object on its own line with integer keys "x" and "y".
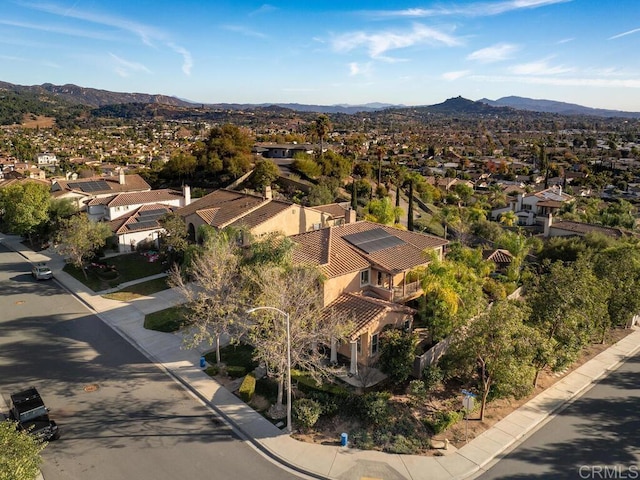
{"x": 28, "y": 409}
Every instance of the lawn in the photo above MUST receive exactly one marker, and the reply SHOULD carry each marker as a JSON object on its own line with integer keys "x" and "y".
{"x": 129, "y": 267}
{"x": 139, "y": 290}
{"x": 167, "y": 320}
{"x": 237, "y": 358}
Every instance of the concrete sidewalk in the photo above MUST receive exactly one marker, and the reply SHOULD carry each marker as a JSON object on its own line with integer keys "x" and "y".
{"x": 314, "y": 460}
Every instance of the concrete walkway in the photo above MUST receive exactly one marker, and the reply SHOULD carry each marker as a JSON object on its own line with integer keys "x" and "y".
{"x": 321, "y": 461}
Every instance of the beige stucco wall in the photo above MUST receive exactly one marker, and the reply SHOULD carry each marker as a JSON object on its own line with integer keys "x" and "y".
{"x": 396, "y": 319}
{"x": 334, "y": 287}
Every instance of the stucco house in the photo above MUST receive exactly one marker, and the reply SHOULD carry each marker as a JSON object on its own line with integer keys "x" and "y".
{"x": 258, "y": 214}
{"x": 533, "y": 208}
{"x": 120, "y": 204}
{"x": 366, "y": 268}
{"x": 139, "y": 226}
{"x": 83, "y": 190}
{"x": 565, "y": 228}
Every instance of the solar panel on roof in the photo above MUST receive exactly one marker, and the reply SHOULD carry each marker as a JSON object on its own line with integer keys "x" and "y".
{"x": 153, "y": 217}
{"x": 155, "y": 211}
{"x": 90, "y": 186}
{"x": 373, "y": 240}
{"x": 142, "y": 225}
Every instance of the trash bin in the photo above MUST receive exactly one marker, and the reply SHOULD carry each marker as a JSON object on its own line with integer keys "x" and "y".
{"x": 344, "y": 439}
{"x": 203, "y": 362}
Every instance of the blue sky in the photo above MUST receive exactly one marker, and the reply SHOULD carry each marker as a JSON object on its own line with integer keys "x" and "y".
{"x": 330, "y": 52}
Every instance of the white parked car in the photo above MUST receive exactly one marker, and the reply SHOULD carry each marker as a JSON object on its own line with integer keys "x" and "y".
{"x": 41, "y": 272}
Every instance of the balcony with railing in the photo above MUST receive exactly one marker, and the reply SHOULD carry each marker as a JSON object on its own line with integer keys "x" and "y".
{"x": 399, "y": 293}
{"x": 407, "y": 291}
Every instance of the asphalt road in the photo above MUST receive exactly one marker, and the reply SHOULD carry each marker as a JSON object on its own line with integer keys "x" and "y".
{"x": 120, "y": 416}
{"x": 595, "y": 437}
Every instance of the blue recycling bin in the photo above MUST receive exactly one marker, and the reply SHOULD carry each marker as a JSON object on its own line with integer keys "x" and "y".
{"x": 203, "y": 362}
{"x": 344, "y": 439}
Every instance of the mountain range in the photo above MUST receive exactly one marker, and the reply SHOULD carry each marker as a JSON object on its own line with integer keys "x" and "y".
{"x": 92, "y": 97}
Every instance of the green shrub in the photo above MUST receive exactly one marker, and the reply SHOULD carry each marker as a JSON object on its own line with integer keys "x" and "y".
{"x": 212, "y": 370}
{"x": 433, "y": 376}
{"x": 376, "y": 407}
{"x": 247, "y": 388}
{"x": 417, "y": 391}
{"x": 328, "y": 403}
{"x": 443, "y": 420}
{"x": 307, "y": 167}
{"x": 268, "y": 388}
{"x": 403, "y": 445}
{"x": 306, "y": 412}
{"x": 362, "y": 439}
{"x": 236, "y": 371}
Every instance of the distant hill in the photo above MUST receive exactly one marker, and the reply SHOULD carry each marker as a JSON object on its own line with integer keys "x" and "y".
{"x": 64, "y": 102}
{"x": 92, "y": 97}
{"x": 551, "y": 106}
{"x": 463, "y": 105}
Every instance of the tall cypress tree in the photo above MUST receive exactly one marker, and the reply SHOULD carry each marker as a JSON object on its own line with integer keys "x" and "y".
{"x": 410, "y": 209}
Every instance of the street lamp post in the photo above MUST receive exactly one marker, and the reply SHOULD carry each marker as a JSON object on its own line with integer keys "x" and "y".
{"x": 286, "y": 316}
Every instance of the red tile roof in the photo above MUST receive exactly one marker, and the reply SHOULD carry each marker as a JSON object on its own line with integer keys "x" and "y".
{"x": 363, "y": 310}
{"x": 223, "y": 208}
{"x": 136, "y": 198}
{"x": 336, "y": 256}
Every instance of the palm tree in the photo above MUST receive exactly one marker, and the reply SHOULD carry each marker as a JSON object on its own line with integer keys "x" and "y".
{"x": 508, "y": 218}
{"x": 321, "y": 127}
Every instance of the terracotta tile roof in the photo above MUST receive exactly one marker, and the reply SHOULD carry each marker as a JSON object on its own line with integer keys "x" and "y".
{"x": 119, "y": 225}
{"x": 228, "y": 205}
{"x": 208, "y": 214}
{"x": 136, "y": 198}
{"x": 20, "y": 181}
{"x": 584, "y": 228}
{"x": 549, "y": 203}
{"x": 363, "y": 310}
{"x": 336, "y": 256}
{"x": 336, "y": 210}
{"x": 133, "y": 183}
{"x": 261, "y": 214}
{"x": 499, "y": 255}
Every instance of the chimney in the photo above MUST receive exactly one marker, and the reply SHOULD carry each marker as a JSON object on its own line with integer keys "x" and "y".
{"x": 268, "y": 195}
{"x": 350, "y": 216}
{"x": 186, "y": 193}
{"x": 547, "y": 225}
{"x": 121, "y": 177}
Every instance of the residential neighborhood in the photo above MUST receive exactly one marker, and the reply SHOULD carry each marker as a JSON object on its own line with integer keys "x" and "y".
{"x": 409, "y": 264}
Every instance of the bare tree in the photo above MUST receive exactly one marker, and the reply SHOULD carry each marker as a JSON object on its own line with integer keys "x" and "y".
{"x": 213, "y": 292}
{"x": 297, "y": 291}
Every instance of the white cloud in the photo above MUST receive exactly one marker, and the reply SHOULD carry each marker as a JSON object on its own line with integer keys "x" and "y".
{"x": 495, "y": 53}
{"x": 359, "y": 69}
{"x": 187, "y": 60}
{"x": 624, "y": 34}
{"x": 562, "y": 81}
{"x": 124, "y": 68}
{"x": 244, "y": 31}
{"x": 265, "y": 8}
{"x": 378, "y": 43}
{"x": 146, "y": 33}
{"x": 59, "y": 30}
{"x": 483, "y": 9}
{"x": 540, "y": 67}
{"x": 455, "y": 75}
